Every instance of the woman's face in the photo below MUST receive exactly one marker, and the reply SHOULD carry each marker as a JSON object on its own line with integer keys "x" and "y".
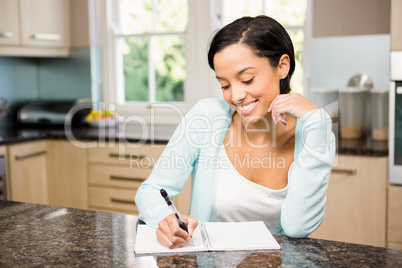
{"x": 249, "y": 83}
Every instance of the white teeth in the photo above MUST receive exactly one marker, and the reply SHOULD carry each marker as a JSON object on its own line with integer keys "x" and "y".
{"x": 247, "y": 107}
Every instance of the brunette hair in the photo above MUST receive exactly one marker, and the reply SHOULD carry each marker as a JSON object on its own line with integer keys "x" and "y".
{"x": 264, "y": 35}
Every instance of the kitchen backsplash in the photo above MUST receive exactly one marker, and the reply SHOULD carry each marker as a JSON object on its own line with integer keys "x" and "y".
{"x": 44, "y": 78}
{"x": 334, "y": 60}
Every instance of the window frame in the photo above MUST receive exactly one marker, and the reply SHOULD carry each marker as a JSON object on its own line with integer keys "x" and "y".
{"x": 200, "y": 81}
{"x": 204, "y": 19}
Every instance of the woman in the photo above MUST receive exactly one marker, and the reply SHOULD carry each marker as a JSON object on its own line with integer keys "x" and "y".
{"x": 244, "y": 165}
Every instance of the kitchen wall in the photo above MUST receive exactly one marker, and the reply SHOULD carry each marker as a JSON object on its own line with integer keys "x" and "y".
{"x": 24, "y": 79}
{"x": 349, "y": 37}
{"x": 334, "y": 60}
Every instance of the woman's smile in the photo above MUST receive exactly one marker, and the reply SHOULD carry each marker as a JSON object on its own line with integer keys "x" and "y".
{"x": 249, "y": 82}
{"x": 247, "y": 108}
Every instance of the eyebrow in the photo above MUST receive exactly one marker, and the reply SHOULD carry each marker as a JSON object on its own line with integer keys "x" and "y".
{"x": 238, "y": 73}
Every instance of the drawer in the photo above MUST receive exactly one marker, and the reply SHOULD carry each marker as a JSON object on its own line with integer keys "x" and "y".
{"x": 112, "y": 199}
{"x": 117, "y": 176}
{"x": 126, "y": 154}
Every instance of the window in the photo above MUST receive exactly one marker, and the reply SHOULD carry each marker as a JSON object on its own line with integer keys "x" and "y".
{"x": 156, "y": 51}
{"x": 155, "y": 56}
{"x": 290, "y": 13}
{"x": 149, "y": 41}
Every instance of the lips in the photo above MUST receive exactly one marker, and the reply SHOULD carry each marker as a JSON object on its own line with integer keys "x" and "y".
{"x": 247, "y": 108}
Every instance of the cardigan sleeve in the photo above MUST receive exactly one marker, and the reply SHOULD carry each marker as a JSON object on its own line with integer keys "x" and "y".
{"x": 308, "y": 177}
{"x": 177, "y": 161}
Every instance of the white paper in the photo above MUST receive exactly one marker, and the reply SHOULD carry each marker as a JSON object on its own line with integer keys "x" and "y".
{"x": 222, "y": 235}
{"x": 240, "y": 236}
{"x": 146, "y": 242}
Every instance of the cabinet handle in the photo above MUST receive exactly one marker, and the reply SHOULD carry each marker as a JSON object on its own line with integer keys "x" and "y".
{"x": 47, "y": 37}
{"x": 125, "y": 178}
{"x": 25, "y": 156}
{"x": 6, "y": 34}
{"x": 344, "y": 171}
{"x": 117, "y": 200}
{"x": 133, "y": 155}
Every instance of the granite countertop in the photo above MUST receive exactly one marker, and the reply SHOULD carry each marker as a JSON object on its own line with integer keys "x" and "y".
{"x": 161, "y": 135}
{"x": 34, "y": 235}
{"x": 132, "y": 133}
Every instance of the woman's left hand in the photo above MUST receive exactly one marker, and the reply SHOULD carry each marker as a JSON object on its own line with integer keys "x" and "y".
{"x": 294, "y": 104}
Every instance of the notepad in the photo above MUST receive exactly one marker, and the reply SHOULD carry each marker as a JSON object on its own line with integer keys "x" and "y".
{"x": 212, "y": 236}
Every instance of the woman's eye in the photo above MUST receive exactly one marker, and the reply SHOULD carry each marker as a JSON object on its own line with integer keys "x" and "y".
{"x": 225, "y": 87}
{"x": 248, "y": 81}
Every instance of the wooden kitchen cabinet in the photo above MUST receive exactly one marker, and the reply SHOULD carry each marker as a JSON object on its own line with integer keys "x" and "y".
{"x": 34, "y": 28}
{"x": 28, "y": 172}
{"x": 395, "y": 217}
{"x": 115, "y": 173}
{"x": 396, "y": 25}
{"x": 67, "y": 185}
{"x": 9, "y": 23}
{"x": 355, "y": 210}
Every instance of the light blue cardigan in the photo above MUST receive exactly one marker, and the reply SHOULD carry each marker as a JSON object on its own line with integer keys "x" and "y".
{"x": 194, "y": 146}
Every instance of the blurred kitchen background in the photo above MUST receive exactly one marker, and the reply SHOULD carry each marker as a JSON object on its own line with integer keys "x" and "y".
{"x": 132, "y": 55}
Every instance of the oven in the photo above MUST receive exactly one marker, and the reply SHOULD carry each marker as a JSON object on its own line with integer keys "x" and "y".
{"x": 395, "y": 120}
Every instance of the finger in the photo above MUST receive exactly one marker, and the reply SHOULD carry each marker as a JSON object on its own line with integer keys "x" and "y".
{"x": 283, "y": 121}
{"x": 281, "y": 107}
{"x": 170, "y": 233}
{"x": 171, "y": 243}
{"x": 191, "y": 223}
{"x": 274, "y": 107}
{"x": 176, "y": 230}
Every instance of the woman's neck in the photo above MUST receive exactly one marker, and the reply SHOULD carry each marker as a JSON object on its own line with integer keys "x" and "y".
{"x": 260, "y": 132}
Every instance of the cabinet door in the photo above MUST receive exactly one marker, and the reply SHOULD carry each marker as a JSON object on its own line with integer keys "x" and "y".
{"x": 395, "y": 217}
{"x": 9, "y": 24}
{"x": 355, "y": 209}
{"x": 67, "y": 184}
{"x": 44, "y": 23}
{"x": 396, "y": 25}
{"x": 28, "y": 176}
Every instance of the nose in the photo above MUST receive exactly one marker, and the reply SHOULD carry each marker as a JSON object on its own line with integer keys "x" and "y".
{"x": 238, "y": 94}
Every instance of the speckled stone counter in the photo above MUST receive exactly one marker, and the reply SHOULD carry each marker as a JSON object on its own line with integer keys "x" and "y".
{"x": 37, "y": 236}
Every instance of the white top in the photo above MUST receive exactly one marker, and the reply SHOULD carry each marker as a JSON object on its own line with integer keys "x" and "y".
{"x": 239, "y": 199}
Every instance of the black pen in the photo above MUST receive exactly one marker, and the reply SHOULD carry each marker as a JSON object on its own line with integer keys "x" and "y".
{"x": 174, "y": 210}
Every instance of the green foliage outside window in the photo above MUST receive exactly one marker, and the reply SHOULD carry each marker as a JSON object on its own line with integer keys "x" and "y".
{"x": 154, "y": 63}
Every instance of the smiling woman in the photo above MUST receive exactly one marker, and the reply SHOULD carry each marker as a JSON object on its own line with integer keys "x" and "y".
{"x": 253, "y": 61}
{"x": 292, "y": 14}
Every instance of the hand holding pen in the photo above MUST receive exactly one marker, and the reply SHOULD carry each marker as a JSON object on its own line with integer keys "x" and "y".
{"x": 175, "y": 230}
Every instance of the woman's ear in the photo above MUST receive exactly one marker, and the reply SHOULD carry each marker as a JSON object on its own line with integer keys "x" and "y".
{"x": 284, "y": 66}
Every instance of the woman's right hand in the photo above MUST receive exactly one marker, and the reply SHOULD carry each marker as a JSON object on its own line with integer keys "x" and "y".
{"x": 171, "y": 235}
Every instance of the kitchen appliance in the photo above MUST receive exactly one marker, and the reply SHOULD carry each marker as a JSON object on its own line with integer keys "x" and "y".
{"x": 3, "y": 178}
{"x": 395, "y": 120}
{"x": 360, "y": 80}
{"x": 353, "y": 112}
{"x": 51, "y": 113}
{"x": 379, "y": 104}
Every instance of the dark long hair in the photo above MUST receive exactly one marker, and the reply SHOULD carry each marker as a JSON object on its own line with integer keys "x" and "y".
{"x": 264, "y": 35}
